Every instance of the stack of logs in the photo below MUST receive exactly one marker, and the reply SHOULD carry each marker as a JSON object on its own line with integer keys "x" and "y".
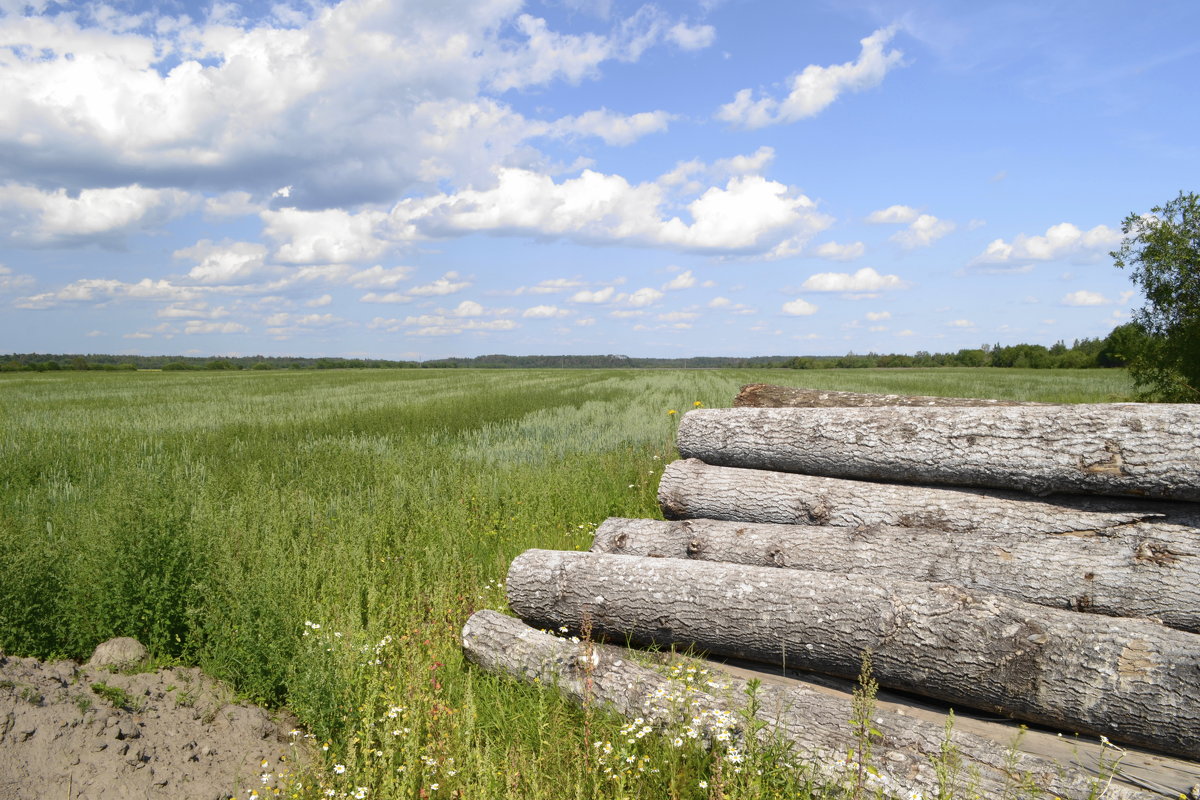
{"x": 1040, "y": 562}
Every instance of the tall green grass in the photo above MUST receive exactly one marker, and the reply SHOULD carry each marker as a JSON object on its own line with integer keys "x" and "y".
{"x": 212, "y": 516}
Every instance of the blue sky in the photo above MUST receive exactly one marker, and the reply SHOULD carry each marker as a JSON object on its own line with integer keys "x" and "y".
{"x": 427, "y": 178}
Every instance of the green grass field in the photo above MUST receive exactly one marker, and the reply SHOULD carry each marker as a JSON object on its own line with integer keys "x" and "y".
{"x": 220, "y": 518}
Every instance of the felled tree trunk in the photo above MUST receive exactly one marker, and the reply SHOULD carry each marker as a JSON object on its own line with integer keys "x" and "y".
{"x": 1129, "y": 679}
{"x": 766, "y": 395}
{"x": 1119, "y": 575}
{"x": 1140, "y": 450}
{"x": 691, "y": 489}
{"x": 815, "y": 723}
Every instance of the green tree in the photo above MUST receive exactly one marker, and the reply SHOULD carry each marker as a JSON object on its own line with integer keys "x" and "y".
{"x": 1162, "y": 250}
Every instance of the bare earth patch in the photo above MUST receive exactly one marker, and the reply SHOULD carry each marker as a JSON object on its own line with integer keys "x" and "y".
{"x": 77, "y": 732}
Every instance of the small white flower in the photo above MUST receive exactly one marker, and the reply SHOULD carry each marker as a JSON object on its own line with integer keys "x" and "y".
{"x": 339, "y": 768}
{"x": 703, "y": 784}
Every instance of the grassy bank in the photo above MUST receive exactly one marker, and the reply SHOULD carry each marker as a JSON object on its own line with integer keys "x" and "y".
{"x": 318, "y": 539}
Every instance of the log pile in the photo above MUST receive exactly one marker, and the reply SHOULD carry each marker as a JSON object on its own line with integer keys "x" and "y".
{"x": 1034, "y": 561}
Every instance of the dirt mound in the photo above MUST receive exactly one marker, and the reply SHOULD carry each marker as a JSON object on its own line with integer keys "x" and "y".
{"x": 79, "y": 732}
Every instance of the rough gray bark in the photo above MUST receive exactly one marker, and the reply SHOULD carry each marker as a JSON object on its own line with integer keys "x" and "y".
{"x": 816, "y": 723}
{"x": 1129, "y": 679}
{"x": 1131, "y": 449}
{"x": 692, "y": 489}
{"x": 1118, "y": 575}
{"x": 766, "y": 395}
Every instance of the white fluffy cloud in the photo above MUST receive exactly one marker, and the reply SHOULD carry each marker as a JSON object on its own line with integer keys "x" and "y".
{"x": 194, "y": 327}
{"x": 923, "y": 231}
{"x": 832, "y": 251}
{"x": 864, "y": 280}
{"x": 329, "y": 236}
{"x": 105, "y": 216}
{"x": 684, "y": 280}
{"x": 799, "y": 308}
{"x": 12, "y": 282}
{"x": 545, "y": 312}
{"x": 814, "y": 89}
{"x": 875, "y": 316}
{"x": 227, "y": 262}
{"x": 614, "y": 129}
{"x": 1060, "y": 241}
{"x": 598, "y": 296}
{"x": 440, "y": 325}
{"x": 644, "y": 297}
{"x": 750, "y": 214}
{"x": 1085, "y": 298}
{"x": 239, "y": 105}
{"x": 447, "y": 284}
{"x": 690, "y": 37}
{"x": 893, "y": 215}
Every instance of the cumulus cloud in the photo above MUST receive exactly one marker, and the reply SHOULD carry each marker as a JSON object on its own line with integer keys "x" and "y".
{"x": 598, "y": 296}
{"x": 613, "y": 129}
{"x": 226, "y": 262}
{"x": 440, "y": 325}
{"x": 1060, "y": 241}
{"x": 960, "y": 323}
{"x": 447, "y": 284}
{"x": 799, "y": 308}
{"x": 330, "y": 236}
{"x": 644, "y": 297}
{"x": 923, "y": 231}
{"x": 385, "y": 297}
{"x": 194, "y": 327}
{"x": 468, "y": 308}
{"x": 550, "y": 286}
{"x": 875, "y": 316}
{"x": 684, "y": 280}
{"x": 893, "y": 215}
{"x": 545, "y": 312}
{"x": 832, "y": 251}
{"x": 377, "y": 277}
{"x": 91, "y": 216}
{"x": 1085, "y": 298}
{"x": 750, "y": 214}
{"x": 864, "y": 280}
{"x": 236, "y": 106}
{"x": 12, "y": 282}
{"x": 817, "y": 87}
{"x": 689, "y": 37}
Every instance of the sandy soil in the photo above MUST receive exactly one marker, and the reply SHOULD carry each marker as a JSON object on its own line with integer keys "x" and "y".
{"x": 173, "y": 733}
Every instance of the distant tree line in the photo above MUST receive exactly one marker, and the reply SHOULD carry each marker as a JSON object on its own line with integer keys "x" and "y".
{"x": 1115, "y": 350}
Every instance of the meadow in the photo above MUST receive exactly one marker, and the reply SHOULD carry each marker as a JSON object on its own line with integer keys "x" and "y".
{"x": 318, "y": 538}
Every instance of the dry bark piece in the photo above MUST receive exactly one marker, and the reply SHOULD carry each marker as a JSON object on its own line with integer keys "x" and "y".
{"x": 1132, "y": 680}
{"x": 815, "y": 721}
{"x": 1125, "y": 449}
{"x": 692, "y": 489}
{"x": 1121, "y": 575}
{"x": 766, "y": 395}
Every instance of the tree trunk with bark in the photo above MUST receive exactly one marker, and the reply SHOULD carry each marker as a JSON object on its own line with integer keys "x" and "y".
{"x": 815, "y": 722}
{"x": 691, "y": 489}
{"x": 1132, "y": 680}
{"x": 766, "y": 395}
{"x": 1120, "y": 575}
{"x": 1133, "y": 449}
